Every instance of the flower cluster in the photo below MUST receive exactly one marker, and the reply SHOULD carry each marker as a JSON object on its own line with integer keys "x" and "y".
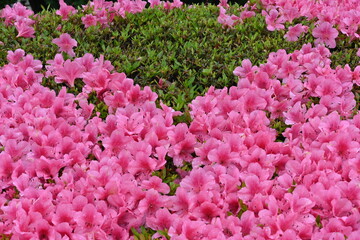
{"x": 19, "y": 16}
{"x": 329, "y": 17}
{"x": 101, "y": 12}
{"x": 66, "y": 174}
{"x": 295, "y": 189}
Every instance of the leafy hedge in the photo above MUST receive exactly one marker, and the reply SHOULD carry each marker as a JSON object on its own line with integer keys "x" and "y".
{"x": 187, "y": 48}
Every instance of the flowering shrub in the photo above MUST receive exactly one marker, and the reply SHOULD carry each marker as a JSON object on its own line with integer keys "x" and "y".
{"x": 67, "y": 173}
{"x": 329, "y": 18}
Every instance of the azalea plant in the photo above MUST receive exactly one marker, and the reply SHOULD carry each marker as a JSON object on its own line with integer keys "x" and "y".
{"x": 70, "y": 171}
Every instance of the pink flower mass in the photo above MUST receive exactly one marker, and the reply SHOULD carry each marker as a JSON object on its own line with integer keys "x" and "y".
{"x": 67, "y": 172}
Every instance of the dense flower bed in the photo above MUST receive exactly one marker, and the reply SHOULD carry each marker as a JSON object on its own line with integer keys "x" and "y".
{"x": 68, "y": 174}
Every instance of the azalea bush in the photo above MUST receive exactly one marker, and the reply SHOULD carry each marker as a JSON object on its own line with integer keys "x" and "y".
{"x": 168, "y": 50}
{"x": 88, "y": 153}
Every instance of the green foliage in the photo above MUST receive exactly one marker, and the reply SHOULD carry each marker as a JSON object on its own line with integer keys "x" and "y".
{"x": 5, "y": 236}
{"x": 147, "y": 233}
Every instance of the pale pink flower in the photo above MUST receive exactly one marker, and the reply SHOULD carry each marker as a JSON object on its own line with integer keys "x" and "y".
{"x": 66, "y": 44}
{"x": 227, "y": 20}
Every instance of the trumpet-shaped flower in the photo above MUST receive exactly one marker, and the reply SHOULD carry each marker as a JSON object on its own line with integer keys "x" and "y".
{"x": 65, "y": 44}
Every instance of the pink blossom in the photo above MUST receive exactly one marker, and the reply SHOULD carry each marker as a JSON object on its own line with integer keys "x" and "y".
{"x": 65, "y": 43}
{"x": 88, "y": 218}
{"x": 223, "y": 3}
{"x": 24, "y": 28}
{"x": 273, "y": 20}
{"x": 161, "y": 221}
{"x": 89, "y": 20}
{"x": 65, "y": 10}
{"x": 154, "y": 3}
{"x": 294, "y": 32}
{"x": 157, "y": 184}
{"x": 227, "y": 20}
{"x": 68, "y": 72}
{"x": 325, "y": 33}
{"x": 151, "y": 203}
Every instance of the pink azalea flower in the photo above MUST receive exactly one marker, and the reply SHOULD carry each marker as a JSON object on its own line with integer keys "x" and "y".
{"x": 247, "y": 14}
{"x": 65, "y": 10}
{"x": 207, "y": 211}
{"x": 88, "y": 218}
{"x": 157, "y": 184}
{"x": 68, "y": 72}
{"x": 294, "y": 32}
{"x": 223, "y": 3}
{"x": 151, "y": 203}
{"x": 65, "y": 43}
{"x": 89, "y": 20}
{"x": 274, "y": 20}
{"x": 16, "y": 57}
{"x": 222, "y": 155}
{"x": 227, "y": 20}
{"x": 325, "y": 33}
{"x": 44, "y": 230}
{"x": 24, "y": 28}
{"x": 358, "y": 52}
{"x": 154, "y": 3}
{"x": 161, "y": 221}
{"x": 64, "y": 213}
